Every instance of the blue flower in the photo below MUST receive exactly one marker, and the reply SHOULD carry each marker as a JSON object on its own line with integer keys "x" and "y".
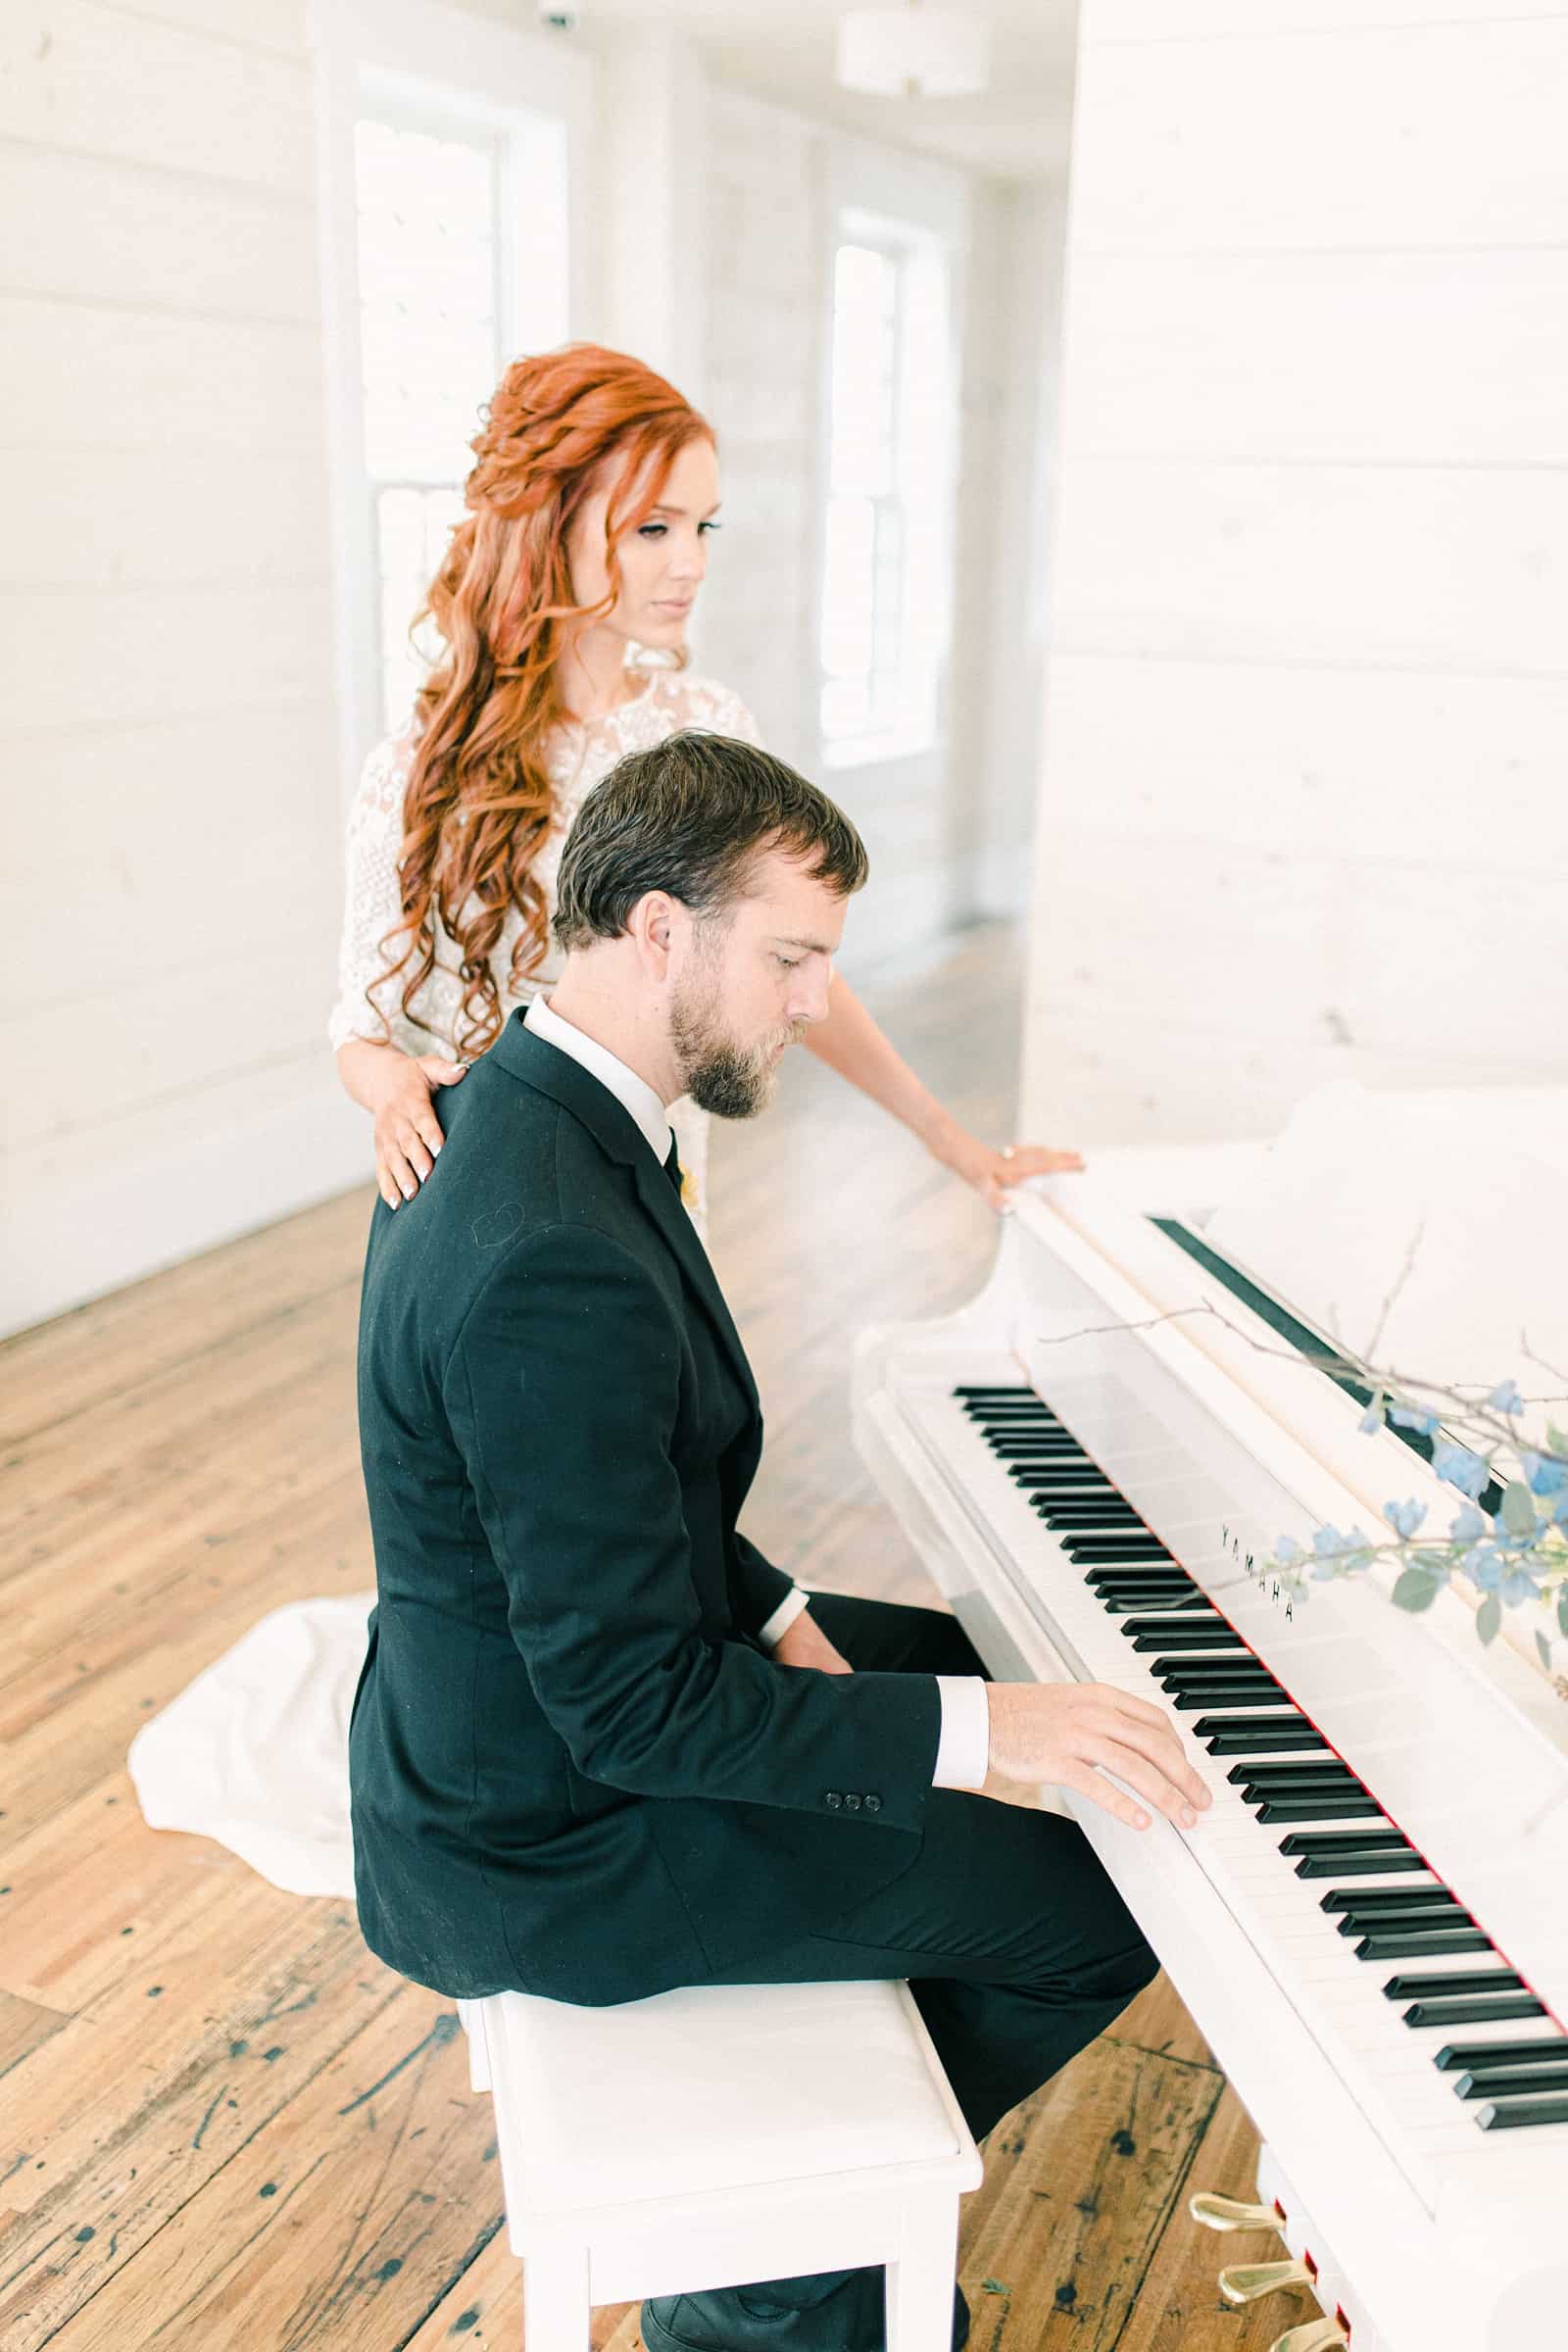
{"x": 1544, "y": 1476}
{"x": 1410, "y": 1416}
{"x": 1460, "y": 1467}
{"x": 1324, "y": 1570}
{"x": 1328, "y": 1542}
{"x": 1404, "y": 1517}
{"x": 1469, "y": 1525}
{"x": 1517, "y": 1586}
{"x": 1506, "y": 1397}
{"x": 1371, "y": 1419}
{"x": 1287, "y": 1552}
{"x": 1482, "y": 1568}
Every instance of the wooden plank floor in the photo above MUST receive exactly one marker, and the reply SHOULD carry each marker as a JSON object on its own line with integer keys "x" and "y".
{"x": 224, "y": 2123}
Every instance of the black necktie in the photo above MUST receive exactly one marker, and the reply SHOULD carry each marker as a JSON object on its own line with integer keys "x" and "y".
{"x": 672, "y": 1167}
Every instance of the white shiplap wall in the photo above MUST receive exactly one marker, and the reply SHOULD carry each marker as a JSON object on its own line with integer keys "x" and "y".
{"x": 1304, "y": 811}
{"x": 170, "y": 853}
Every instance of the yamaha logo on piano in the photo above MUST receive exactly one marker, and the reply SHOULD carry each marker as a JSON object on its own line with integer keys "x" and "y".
{"x": 1261, "y": 1573}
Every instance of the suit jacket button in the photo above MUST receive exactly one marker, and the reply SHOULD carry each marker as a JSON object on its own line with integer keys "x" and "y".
{"x": 851, "y": 1803}
{"x": 833, "y": 1799}
{"x": 873, "y": 1804}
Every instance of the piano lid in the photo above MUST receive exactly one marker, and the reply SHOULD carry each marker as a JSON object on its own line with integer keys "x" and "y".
{"x": 1426, "y": 1233}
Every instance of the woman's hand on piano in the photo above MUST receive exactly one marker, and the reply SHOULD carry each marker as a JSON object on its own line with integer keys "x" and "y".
{"x": 1073, "y": 1735}
{"x": 993, "y": 1172}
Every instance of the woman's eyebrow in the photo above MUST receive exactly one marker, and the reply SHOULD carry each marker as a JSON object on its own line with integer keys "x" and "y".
{"x": 707, "y": 517}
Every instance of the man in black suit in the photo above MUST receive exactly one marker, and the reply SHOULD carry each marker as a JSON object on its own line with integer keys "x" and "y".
{"x": 601, "y": 1745}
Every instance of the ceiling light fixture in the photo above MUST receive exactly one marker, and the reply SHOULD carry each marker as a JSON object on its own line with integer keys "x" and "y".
{"x": 913, "y": 52}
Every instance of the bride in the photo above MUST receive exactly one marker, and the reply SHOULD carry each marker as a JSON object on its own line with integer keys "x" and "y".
{"x": 562, "y": 603}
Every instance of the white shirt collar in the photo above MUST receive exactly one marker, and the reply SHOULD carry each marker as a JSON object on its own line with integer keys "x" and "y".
{"x": 633, "y": 1094}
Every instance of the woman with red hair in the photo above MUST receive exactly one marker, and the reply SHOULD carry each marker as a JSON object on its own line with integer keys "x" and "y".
{"x": 590, "y": 504}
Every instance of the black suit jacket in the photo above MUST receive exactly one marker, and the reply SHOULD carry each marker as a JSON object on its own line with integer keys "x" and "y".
{"x": 574, "y": 1769}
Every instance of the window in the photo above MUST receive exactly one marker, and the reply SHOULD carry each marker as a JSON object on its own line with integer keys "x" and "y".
{"x": 452, "y": 211}
{"x": 886, "y": 528}
{"x": 427, "y": 212}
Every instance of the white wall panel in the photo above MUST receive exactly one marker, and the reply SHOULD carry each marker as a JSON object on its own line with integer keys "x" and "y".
{"x": 81, "y": 658}
{"x": 1359, "y": 763}
{"x": 99, "y": 378}
{"x": 1306, "y": 713}
{"x": 1201, "y": 19}
{"x": 1355, "y": 140}
{"x": 1380, "y": 566}
{"x": 1402, "y": 358}
{"x": 130, "y": 234}
{"x": 112, "y": 519}
{"x": 96, "y": 80}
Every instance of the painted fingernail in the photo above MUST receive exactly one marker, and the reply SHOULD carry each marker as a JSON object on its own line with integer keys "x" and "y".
{"x": 408, "y": 1192}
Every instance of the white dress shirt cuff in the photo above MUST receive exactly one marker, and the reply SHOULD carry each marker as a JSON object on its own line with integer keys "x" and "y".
{"x": 963, "y": 1752}
{"x": 783, "y": 1617}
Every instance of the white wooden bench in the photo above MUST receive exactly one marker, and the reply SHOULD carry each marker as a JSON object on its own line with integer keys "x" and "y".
{"x": 711, "y": 2136}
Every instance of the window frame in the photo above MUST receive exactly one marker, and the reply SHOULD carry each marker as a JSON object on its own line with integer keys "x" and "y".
{"x": 429, "y": 66}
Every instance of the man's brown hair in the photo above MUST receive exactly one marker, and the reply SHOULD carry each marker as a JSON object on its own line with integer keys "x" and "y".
{"x": 691, "y": 815}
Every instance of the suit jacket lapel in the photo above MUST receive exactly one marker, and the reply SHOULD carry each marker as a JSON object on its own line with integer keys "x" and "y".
{"x": 567, "y": 1083}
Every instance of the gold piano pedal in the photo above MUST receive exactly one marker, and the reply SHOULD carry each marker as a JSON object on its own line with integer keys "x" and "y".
{"x": 1312, "y": 2336}
{"x": 1225, "y": 2212}
{"x": 1248, "y": 2281}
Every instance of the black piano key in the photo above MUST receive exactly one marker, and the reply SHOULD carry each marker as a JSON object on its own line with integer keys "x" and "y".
{"x": 1117, "y": 1550}
{"x": 1385, "y": 1841}
{"x": 1317, "y": 1808}
{"x": 1464, "y": 1980}
{"x": 1415, "y": 1921}
{"x": 1309, "y": 1772}
{"x": 1467, "y": 2057}
{"x": 1176, "y": 1638}
{"x": 1125, "y": 1604}
{"x": 1051, "y": 1453}
{"x": 1351, "y": 1865}
{"x": 1500, "y": 2085}
{"x": 1497, "y": 2012}
{"x": 1045, "y": 1478}
{"x": 1267, "y": 1694}
{"x": 1107, "y": 1577}
{"x": 993, "y": 1388}
{"x": 1023, "y": 1401}
{"x": 1229, "y": 1675}
{"x": 1520, "y": 2114}
{"x": 1101, "y": 1510}
{"x": 1389, "y": 1898}
{"x": 1268, "y": 1743}
{"x": 1426, "y": 1945}
{"x": 1256, "y": 1736}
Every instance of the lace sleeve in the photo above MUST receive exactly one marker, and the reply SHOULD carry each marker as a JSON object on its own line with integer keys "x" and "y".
{"x": 711, "y": 706}
{"x": 372, "y": 902}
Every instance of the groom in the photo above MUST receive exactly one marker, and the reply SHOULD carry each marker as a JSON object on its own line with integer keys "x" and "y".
{"x": 601, "y": 1745}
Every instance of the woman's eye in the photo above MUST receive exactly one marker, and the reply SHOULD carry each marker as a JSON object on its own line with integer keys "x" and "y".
{"x": 650, "y": 530}
{"x": 703, "y": 529}
{"x": 789, "y": 962}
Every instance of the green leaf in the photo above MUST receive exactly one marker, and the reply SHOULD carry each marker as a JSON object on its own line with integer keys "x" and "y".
{"x": 1416, "y": 1589}
{"x": 1543, "y": 1651}
{"x": 1557, "y": 1439}
{"x": 1489, "y": 1617}
{"x": 1519, "y": 1511}
{"x": 1563, "y": 1610}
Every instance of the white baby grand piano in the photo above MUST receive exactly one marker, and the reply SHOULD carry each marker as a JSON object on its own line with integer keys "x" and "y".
{"x": 1371, "y": 1922}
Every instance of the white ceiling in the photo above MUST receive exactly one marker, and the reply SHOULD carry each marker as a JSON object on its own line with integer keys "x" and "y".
{"x": 784, "y": 49}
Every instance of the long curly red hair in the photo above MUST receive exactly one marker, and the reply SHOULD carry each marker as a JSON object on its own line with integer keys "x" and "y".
{"x": 480, "y": 804}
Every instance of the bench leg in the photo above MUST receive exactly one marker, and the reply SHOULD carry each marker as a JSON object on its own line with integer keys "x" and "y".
{"x": 919, "y": 2283}
{"x": 556, "y": 2311}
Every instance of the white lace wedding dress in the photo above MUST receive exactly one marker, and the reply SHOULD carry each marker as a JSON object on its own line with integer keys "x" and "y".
{"x": 253, "y": 1753}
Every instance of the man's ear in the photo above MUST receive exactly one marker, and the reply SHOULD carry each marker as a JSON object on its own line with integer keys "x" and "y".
{"x": 652, "y": 927}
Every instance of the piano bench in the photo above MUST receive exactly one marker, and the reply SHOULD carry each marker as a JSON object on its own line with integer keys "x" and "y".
{"x": 721, "y": 2134}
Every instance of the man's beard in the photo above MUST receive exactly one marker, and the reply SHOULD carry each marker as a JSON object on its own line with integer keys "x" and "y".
{"x": 731, "y": 1081}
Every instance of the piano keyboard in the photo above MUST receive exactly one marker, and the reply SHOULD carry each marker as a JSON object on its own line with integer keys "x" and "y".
{"x": 1450, "y": 2034}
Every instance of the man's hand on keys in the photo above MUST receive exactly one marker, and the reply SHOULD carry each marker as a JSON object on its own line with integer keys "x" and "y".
{"x": 1073, "y": 1733}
